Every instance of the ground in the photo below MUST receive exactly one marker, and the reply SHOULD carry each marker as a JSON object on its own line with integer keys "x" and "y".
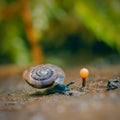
{"x": 16, "y": 101}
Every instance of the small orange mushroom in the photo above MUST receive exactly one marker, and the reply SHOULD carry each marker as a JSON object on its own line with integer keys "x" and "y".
{"x": 84, "y": 73}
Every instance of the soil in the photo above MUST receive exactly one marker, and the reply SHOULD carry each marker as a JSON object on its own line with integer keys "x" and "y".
{"x": 96, "y": 103}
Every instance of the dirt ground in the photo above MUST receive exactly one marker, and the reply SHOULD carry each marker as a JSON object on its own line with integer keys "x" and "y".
{"x": 16, "y": 101}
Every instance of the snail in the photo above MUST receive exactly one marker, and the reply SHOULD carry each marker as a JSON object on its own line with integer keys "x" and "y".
{"x": 45, "y": 76}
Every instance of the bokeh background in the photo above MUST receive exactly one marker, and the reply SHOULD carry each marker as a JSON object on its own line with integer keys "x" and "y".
{"x": 63, "y": 32}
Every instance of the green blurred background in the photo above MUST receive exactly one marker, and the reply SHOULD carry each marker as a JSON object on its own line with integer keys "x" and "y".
{"x": 63, "y": 32}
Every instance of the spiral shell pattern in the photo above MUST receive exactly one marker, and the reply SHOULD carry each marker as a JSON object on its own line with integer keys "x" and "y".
{"x": 45, "y": 75}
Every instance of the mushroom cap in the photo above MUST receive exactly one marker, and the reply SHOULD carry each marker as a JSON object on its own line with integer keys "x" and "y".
{"x": 84, "y": 73}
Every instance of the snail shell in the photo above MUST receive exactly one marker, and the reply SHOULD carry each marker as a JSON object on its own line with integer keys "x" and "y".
{"x": 44, "y": 75}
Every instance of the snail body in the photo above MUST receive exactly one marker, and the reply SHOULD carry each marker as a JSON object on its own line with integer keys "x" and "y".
{"x": 44, "y": 75}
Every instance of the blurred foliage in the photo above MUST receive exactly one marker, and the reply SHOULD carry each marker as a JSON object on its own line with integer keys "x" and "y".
{"x": 103, "y": 18}
{"x": 12, "y": 46}
{"x": 65, "y": 29}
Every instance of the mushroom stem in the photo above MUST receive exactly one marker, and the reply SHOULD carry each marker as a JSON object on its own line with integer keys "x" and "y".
{"x": 83, "y": 82}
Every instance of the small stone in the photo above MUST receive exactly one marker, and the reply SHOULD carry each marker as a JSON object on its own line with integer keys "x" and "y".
{"x": 113, "y": 84}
